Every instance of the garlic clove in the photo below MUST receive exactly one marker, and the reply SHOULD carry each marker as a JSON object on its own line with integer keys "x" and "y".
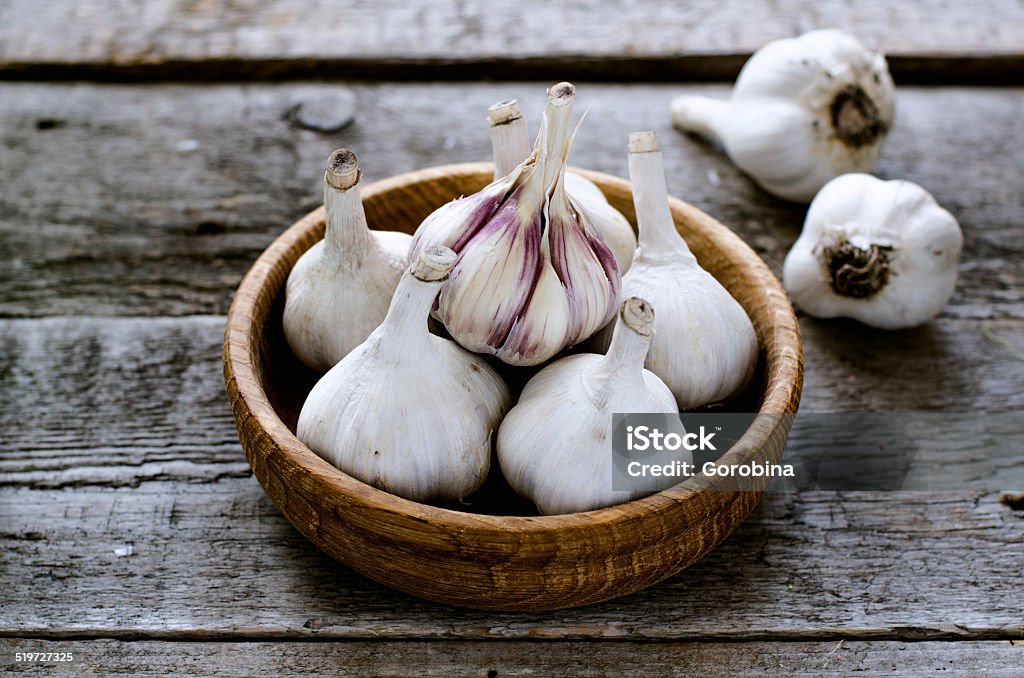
{"x": 881, "y": 252}
{"x": 555, "y": 445}
{"x": 339, "y": 290}
{"x": 532, "y": 276}
{"x": 456, "y": 223}
{"x": 803, "y": 111}
{"x": 485, "y": 296}
{"x": 546, "y": 321}
{"x": 704, "y": 346}
{"x": 511, "y": 144}
{"x": 583, "y": 265}
{"x": 407, "y": 411}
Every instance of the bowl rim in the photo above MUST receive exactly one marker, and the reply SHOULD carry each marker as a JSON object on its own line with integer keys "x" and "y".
{"x": 245, "y": 388}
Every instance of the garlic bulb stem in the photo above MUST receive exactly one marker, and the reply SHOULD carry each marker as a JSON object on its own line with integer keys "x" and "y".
{"x": 658, "y": 235}
{"x": 342, "y": 169}
{"x": 704, "y": 346}
{"x": 347, "y": 230}
{"x": 552, "y": 146}
{"x": 702, "y": 116}
{"x": 510, "y": 138}
{"x": 622, "y": 367}
{"x": 410, "y": 307}
{"x": 556, "y": 145}
{"x": 339, "y": 290}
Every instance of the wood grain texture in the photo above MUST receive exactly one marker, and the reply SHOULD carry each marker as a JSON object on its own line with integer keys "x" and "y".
{"x": 168, "y": 193}
{"x": 451, "y": 659}
{"x": 69, "y": 382}
{"x": 493, "y": 560}
{"x": 127, "y": 510}
{"x": 661, "y": 39}
{"x": 118, "y": 434}
{"x": 216, "y": 560}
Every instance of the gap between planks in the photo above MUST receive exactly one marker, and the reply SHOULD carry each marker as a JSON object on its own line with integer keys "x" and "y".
{"x": 451, "y": 658}
{"x": 907, "y": 634}
{"x": 998, "y": 71}
{"x": 657, "y": 40}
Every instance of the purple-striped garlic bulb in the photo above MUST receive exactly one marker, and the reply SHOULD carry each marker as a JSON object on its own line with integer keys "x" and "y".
{"x": 510, "y": 139}
{"x": 533, "y": 275}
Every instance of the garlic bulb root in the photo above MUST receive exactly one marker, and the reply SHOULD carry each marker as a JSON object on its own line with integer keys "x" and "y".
{"x": 406, "y": 411}
{"x": 339, "y": 290}
{"x": 555, "y": 445}
{"x": 881, "y": 252}
{"x": 803, "y": 111}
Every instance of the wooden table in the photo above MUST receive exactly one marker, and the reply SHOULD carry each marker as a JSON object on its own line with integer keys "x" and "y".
{"x": 149, "y": 154}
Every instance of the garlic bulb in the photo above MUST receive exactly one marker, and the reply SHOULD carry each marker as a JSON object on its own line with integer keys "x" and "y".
{"x": 804, "y": 110}
{"x": 555, "y": 445}
{"x": 407, "y": 411}
{"x": 882, "y": 252}
{"x": 510, "y": 140}
{"x": 704, "y": 345}
{"x": 532, "y": 276}
{"x": 339, "y": 290}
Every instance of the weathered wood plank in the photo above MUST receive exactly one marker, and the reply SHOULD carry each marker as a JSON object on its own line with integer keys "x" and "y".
{"x": 115, "y": 402}
{"x": 127, "y": 510}
{"x": 662, "y": 40}
{"x": 127, "y": 200}
{"x": 216, "y": 561}
{"x": 454, "y": 658}
{"x": 69, "y": 382}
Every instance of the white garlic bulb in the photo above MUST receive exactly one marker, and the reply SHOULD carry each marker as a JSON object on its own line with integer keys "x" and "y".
{"x": 882, "y": 252}
{"x": 533, "y": 276}
{"x": 555, "y": 445}
{"x": 339, "y": 290}
{"x": 804, "y": 110}
{"x": 704, "y": 345}
{"x": 510, "y": 140}
{"x": 407, "y": 411}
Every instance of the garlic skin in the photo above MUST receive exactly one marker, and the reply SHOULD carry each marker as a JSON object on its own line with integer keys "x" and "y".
{"x": 510, "y": 140}
{"x": 803, "y": 111}
{"x": 339, "y": 290}
{"x": 881, "y": 252}
{"x": 407, "y": 411}
{"x": 532, "y": 275}
{"x": 704, "y": 345}
{"x": 555, "y": 445}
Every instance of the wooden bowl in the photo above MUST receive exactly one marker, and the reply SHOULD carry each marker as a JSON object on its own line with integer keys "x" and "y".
{"x": 496, "y": 562}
